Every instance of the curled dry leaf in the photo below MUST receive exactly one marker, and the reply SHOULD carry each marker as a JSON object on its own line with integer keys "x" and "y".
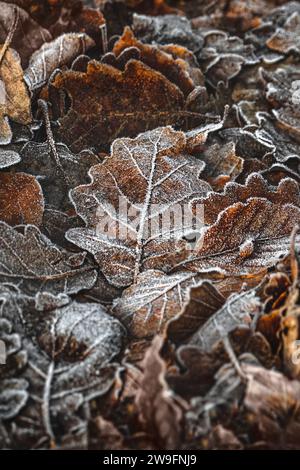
{"x": 222, "y": 164}
{"x": 174, "y": 62}
{"x": 28, "y": 35}
{"x": 158, "y": 410}
{"x": 282, "y": 92}
{"x": 143, "y": 179}
{"x": 287, "y": 192}
{"x": 167, "y": 29}
{"x": 55, "y": 54}
{"x": 282, "y": 145}
{"x": 21, "y": 199}
{"x": 224, "y": 56}
{"x": 15, "y": 102}
{"x": 286, "y": 39}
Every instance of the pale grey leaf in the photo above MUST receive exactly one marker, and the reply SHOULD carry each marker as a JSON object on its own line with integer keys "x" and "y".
{"x": 55, "y": 54}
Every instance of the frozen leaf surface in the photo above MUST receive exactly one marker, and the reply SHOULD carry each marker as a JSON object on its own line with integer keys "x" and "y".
{"x": 150, "y": 177}
{"x": 31, "y": 260}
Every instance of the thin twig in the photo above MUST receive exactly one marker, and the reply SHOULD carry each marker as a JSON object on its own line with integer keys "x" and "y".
{"x": 293, "y": 257}
{"x": 233, "y": 358}
{"x": 103, "y": 30}
{"x": 51, "y": 142}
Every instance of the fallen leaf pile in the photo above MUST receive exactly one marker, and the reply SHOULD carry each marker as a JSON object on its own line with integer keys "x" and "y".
{"x": 121, "y": 326}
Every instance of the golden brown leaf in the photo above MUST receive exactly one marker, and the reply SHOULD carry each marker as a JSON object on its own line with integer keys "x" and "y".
{"x": 14, "y": 98}
{"x": 108, "y": 103}
{"x": 21, "y": 199}
{"x": 176, "y": 63}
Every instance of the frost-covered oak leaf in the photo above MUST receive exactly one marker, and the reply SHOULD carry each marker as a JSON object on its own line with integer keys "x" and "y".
{"x": 132, "y": 205}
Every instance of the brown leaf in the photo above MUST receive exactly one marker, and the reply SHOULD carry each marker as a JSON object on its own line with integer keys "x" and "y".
{"x": 222, "y": 165}
{"x": 224, "y": 56}
{"x": 32, "y": 261}
{"x": 286, "y": 39}
{"x": 282, "y": 91}
{"x": 157, "y": 408}
{"x": 176, "y": 63}
{"x": 104, "y": 435}
{"x": 15, "y": 101}
{"x": 272, "y": 403}
{"x": 51, "y": 18}
{"x": 155, "y": 298}
{"x": 246, "y": 238}
{"x": 108, "y": 103}
{"x": 167, "y": 29}
{"x": 29, "y": 35}
{"x": 151, "y": 7}
{"x": 21, "y": 199}
{"x": 223, "y": 439}
{"x": 287, "y": 192}
{"x": 148, "y": 177}
{"x": 239, "y": 309}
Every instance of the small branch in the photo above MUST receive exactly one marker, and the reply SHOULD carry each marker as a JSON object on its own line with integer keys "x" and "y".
{"x": 51, "y": 142}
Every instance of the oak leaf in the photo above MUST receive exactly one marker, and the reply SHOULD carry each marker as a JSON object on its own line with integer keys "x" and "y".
{"x": 149, "y": 305}
{"x": 287, "y": 192}
{"x": 14, "y": 98}
{"x": 149, "y": 177}
{"x": 28, "y": 35}
{"x": 37, "y": 159}
{"x": 108, "y": 103}
{"x": 73, "y": 367}
{"x": 174, "y": 62}
{"x": 246, "y": 238}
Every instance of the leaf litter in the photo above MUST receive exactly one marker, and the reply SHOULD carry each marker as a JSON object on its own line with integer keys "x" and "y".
{"x": 149, "y": 224}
